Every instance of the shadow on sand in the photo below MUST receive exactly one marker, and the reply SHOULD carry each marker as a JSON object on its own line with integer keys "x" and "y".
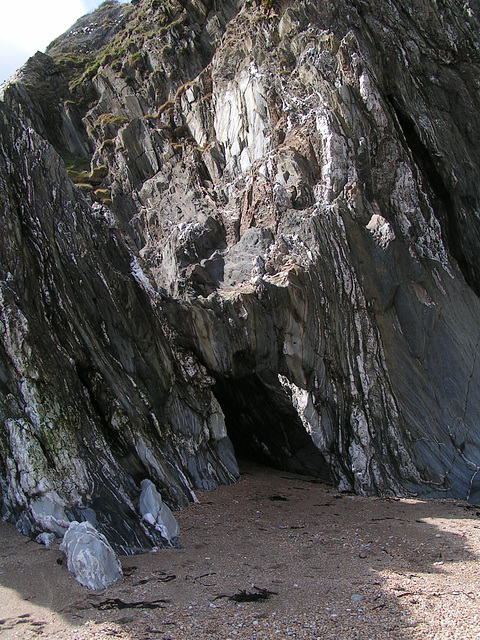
{"x": 337, "y": 566}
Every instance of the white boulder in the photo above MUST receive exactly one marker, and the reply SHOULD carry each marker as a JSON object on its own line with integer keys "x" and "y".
{"x": 90, "y": 557}
{"x": 156, "y": 513}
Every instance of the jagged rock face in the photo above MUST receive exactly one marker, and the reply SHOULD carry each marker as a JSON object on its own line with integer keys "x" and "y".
{"x": 88, "y": 377}
{"x": 286, "y": 258}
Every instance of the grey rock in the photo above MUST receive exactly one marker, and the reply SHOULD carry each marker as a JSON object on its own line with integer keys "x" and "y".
{"x": 238, "y": 259}
{"x": 49, "y": 512}
{"x": 156, "y": 513}
{"x": 90, "y": 557}
{"x": 46, "y": 539}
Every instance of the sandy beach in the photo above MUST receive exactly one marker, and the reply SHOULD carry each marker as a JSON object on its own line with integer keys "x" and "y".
{"x": 277, "y": 555}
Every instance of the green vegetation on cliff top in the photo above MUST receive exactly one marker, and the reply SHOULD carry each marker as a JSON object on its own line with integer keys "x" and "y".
{"x": 113, "y": 35}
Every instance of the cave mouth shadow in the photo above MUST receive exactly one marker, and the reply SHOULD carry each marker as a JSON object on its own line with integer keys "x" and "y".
{"x": 264, "y": 426}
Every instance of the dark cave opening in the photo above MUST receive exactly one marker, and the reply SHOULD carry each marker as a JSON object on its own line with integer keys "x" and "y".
{"x": 264, "y": 426}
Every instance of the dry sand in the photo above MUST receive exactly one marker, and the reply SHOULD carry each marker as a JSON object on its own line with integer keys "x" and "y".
{"x": 340, "y": 566}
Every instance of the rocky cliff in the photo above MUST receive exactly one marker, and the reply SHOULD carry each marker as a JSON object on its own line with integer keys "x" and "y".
{"x": 235, "y": 229}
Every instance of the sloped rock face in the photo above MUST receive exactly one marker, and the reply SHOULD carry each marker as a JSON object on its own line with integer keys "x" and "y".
{"x": 277, "y": 246}
{"x": 87, "y": 370}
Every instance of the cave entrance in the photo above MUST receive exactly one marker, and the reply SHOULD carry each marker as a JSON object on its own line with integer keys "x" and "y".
{"x": 264, "y": 426}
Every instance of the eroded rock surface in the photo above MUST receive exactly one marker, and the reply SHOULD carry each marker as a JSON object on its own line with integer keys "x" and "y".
{"x": 90, "y": 557}
{"x": 156, "y": 513}
{"x": 276, "y": 245}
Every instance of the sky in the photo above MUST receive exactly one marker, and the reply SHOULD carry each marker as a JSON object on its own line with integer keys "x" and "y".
{"x": 28, "y": 26}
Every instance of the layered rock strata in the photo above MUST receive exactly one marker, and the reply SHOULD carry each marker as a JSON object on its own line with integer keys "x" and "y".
{"x": 276, "y": 245}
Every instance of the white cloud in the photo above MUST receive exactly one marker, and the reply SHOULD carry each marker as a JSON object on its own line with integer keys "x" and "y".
{"x": 28, "y": 26}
